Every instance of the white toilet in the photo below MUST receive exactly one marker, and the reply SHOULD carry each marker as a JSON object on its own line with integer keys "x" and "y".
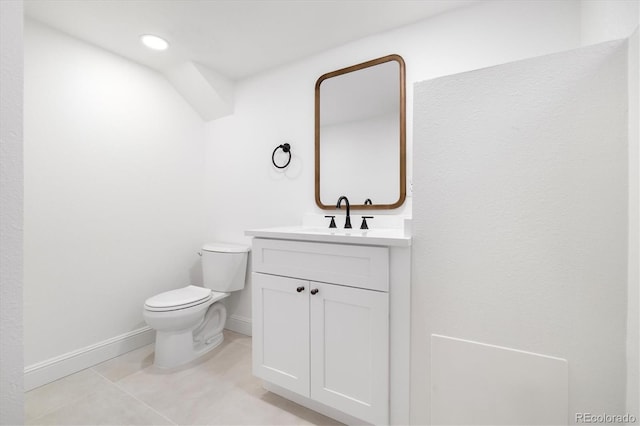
{"x": 189, "y": 321}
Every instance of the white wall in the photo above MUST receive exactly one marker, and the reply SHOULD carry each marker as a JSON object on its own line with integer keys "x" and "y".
{"x": 520, "y": 225}
{"x": 633, "y": 311}
{"x": 113, "y": 193}
{"x": 11, "y": 185}
{"x": 606, "y": 20}
{"x": 243, "y": 189}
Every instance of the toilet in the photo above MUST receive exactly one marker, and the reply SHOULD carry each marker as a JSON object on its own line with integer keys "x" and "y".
{"x": 189, "y": 321}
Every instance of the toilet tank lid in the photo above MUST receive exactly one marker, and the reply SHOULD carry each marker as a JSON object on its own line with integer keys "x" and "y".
{"x": 226, "y": 248}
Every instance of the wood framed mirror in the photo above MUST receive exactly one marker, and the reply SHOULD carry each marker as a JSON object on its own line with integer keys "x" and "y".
{"x": 360, "y": 135}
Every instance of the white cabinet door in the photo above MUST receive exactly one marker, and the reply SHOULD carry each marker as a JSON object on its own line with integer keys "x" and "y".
{"x": 350, "y": 350}
{"x": 281, "y": 331}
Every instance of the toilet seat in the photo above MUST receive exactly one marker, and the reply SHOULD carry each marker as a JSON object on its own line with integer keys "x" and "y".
{"x": 181, "y": 298}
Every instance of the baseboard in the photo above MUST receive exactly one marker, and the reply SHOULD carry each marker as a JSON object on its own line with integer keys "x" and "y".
{"x": 47, "y": 371}
{"x": 52, "y": 369}
{"x": 239, "y": 324}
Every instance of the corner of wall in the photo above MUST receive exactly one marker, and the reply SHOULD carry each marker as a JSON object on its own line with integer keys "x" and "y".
{"x": 633, "y": 292}
{"x": 210, "y": 94}
{"x": 11, "y": 190}
{"x": 603, "y": 20}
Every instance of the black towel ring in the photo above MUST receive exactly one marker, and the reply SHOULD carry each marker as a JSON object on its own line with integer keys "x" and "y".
{"x": 285, "y": 148}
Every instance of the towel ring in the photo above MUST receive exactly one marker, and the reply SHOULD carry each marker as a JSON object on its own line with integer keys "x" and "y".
{"x": 285, "y": 148}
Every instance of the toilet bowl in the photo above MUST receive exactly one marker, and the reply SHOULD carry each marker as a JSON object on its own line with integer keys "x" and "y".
{"x": 189, "y": 320}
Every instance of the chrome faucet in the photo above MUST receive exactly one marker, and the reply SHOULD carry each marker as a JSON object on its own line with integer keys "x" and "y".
{"x": 347, "y": 222}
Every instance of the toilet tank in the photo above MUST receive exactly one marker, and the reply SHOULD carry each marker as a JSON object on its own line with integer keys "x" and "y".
{"x": 224, "y": 266}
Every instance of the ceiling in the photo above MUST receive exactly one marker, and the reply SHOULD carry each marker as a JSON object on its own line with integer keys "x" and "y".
{"x": 237, "y": 38}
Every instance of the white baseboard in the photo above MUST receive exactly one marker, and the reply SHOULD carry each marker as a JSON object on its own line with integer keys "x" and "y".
{"x": 239, "y": 324}
{"x": 52, "y": 369}
{"x": 47, "y": 371}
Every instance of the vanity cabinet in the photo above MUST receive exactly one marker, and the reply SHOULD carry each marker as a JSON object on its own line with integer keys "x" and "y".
{"x": 321, "y": 323}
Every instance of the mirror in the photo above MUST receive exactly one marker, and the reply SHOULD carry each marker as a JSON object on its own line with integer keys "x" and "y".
{"x": 360, "y": 135}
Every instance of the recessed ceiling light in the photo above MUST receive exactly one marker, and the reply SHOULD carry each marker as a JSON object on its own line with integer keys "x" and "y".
{"x": 154, "y": 42}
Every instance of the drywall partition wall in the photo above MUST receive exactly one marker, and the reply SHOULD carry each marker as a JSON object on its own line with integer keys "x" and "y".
{"x": 11, "y": 185}
{"x": 245, "y": 191}
{"x": 477, "y": 383}
{"x": 113, "y": 192}
{"x": 603, "y": 20}
{"x": 633, "y": 313}
{"x": 520, "y": 229}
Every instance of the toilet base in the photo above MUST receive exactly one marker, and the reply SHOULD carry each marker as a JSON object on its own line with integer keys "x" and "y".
{"x": 173, "y": 351}
{"x": 178, "y": 347}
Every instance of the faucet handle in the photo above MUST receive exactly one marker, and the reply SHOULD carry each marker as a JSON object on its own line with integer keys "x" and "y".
{"x": 333, "y": 221}
{"x": 364, "y": 222}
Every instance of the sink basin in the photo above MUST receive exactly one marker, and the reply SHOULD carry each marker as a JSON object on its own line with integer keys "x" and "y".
{"x": 378, "y": 237}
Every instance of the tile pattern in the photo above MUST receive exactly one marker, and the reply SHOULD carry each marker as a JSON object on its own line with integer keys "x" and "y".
{"x": 217, "y": 389}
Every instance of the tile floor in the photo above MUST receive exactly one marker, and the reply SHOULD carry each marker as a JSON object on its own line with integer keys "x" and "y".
{"x": 216, "y": 390}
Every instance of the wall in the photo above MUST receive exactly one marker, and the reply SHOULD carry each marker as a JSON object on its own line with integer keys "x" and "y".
{"x": 633, "y": 311}
{"x": 113, "y": 194}
{"x": 520, "y": 213}
{"x": 243, "y": 189}
{"x": 607, "y": 20}
{"x": 11, "y": 185}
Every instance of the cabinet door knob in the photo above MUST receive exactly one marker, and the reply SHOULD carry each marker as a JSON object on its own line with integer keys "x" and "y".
{"x": 314, "y": 291}
{"x": 300, "y": 289}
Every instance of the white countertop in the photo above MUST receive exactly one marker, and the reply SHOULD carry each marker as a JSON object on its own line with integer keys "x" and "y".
{"x": 389, "y": 237}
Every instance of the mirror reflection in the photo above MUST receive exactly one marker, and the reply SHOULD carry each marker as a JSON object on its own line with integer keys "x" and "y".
{"x": 360, "y": 135}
